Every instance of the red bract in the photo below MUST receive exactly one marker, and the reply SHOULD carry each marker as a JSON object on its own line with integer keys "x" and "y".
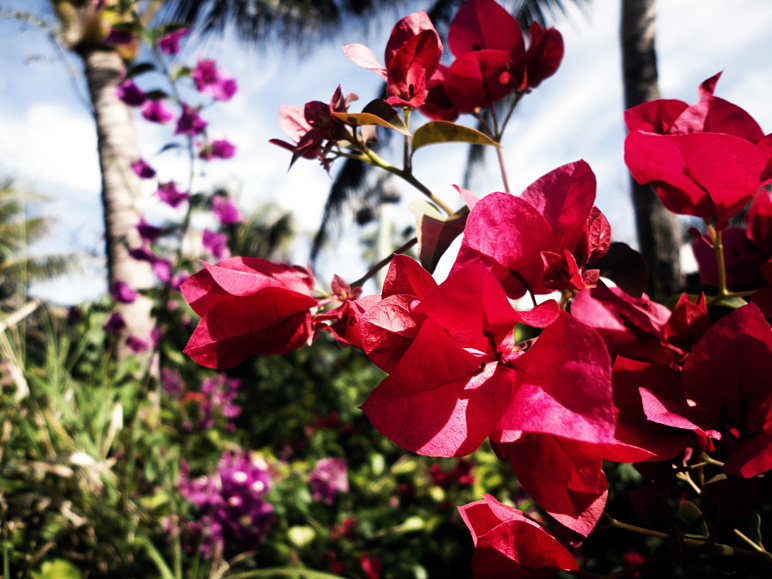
{"x": 564, "y": 477}
{"x": 248, "y": 307}
{"x": 412, "y": 55}
{"x": 314, "y": 129}
{"x": 456, "y": 377}
{"x": 510, "y": 545}
{"x": 491, "y": 59}
{"x": 538, "y": 242}
{"x": 727, "y": 376}
{"x": 707, "y": 160}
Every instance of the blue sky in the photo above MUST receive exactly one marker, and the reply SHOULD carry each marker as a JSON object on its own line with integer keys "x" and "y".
{"x": 47, "y": 139}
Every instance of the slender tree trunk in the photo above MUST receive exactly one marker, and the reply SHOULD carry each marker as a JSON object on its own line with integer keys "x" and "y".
{"x": 121, "y": 191}
{"x": 659, "y": 235}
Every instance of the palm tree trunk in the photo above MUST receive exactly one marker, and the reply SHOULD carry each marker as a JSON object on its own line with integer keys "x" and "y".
{"x": 121, "y": 191}
{"x": 658, "y": 232}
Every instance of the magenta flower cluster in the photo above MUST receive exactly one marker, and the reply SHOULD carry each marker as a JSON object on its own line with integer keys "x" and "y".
{"x": 233, "y": 514}
{"x": 328, "y": 478}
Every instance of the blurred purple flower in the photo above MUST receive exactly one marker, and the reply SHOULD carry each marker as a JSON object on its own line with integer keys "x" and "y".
{"x": 179, "y": 279}
{"x": 212, "y": 82}
{"x": 142, "y": 169}
{"x": 216, "y": 244}
{"x": 130, "y": 93}
{"x": 169, "y": 194}
{"x": 115, "y": 323}
{"x": 148, "y": 233}
{"x": 156, "y": 112}
{"x": 328, "y": 478}
{"x": 161, "y": 267}
{"x": 171, "y": 381}
{"x": 225, "y": 210}
{"x": 233, "y": 513}
{"x": 136, "y": 344}
{"x": 170, "y": 42}
{"x": 122, "y": 293}
{"x": 189, "y": 122}
{"x": 219, "y": 148}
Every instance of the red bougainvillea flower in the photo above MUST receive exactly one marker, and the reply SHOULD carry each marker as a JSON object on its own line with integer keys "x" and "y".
{"x": 209, "y": 80}
{"x": 456, "y": 378}
{"x": 248, "y": 307}
{"x": 491, "y": 59}
{"x": 412, "y": 55}
{"x": 314, "y": 129}
{"x": 346, "y": 317}
{"x": 537, "y": 242}
{"x": 510, "y": 544}
{"x": 706, "y": 160}
{"x": 727, "y": 376}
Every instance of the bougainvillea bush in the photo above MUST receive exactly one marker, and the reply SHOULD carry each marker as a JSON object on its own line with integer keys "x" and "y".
{"x": 590, "y": 372}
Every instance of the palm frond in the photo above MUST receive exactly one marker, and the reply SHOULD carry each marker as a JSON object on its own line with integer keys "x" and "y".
{"x": 41, "y": 267}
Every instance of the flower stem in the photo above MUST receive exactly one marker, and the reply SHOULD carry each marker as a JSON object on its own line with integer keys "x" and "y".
{"x": 406, "y": 175}
{"x": 383, "y": 263}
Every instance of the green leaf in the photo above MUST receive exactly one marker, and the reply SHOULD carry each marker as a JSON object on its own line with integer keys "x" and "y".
{"x": 139, "y": 68}
{"x": 57, "y": 569}
{"x": 435, "y": 231}
{"x": 156, "y": 95}
{"x": 731, "y": 302}
{"x": 690, "y": 515}
{"x": 301, "y": 535}
{"x": 155, "y": 555}
{"x": 445, "y": 132}
{"x": 377, "y": 112}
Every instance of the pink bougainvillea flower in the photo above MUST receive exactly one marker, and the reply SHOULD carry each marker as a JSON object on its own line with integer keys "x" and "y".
{"x": 509, "y": 543}
{"x": 169, "y": 43}
{"x": 156, "y": 111}
{"x": 248, "y": 307}
{"x": 218, "y": 148}
{"x": 539, "y": 241}
{"x": 142, "y": 169}
{"x": 189, "y": 122}
{"x": 136, "y": 344}
{"x": 216, "y": 244}
{"x": 706, "y": 160}
{"x": 412, "y": 56}
{"x": 148, "y": 233}
{"x": 544, "y": 54}
{"x": 209, "y": 80}
{"x": 314, "y": 129}
{"x": 115, "y": 323}
{"x": 123, "y": 293}
{"x": 225, "y": 210}
{"x": 161, "y": 267}
{"x": 169, "y": 194}
{"x": 130, "y": 93}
